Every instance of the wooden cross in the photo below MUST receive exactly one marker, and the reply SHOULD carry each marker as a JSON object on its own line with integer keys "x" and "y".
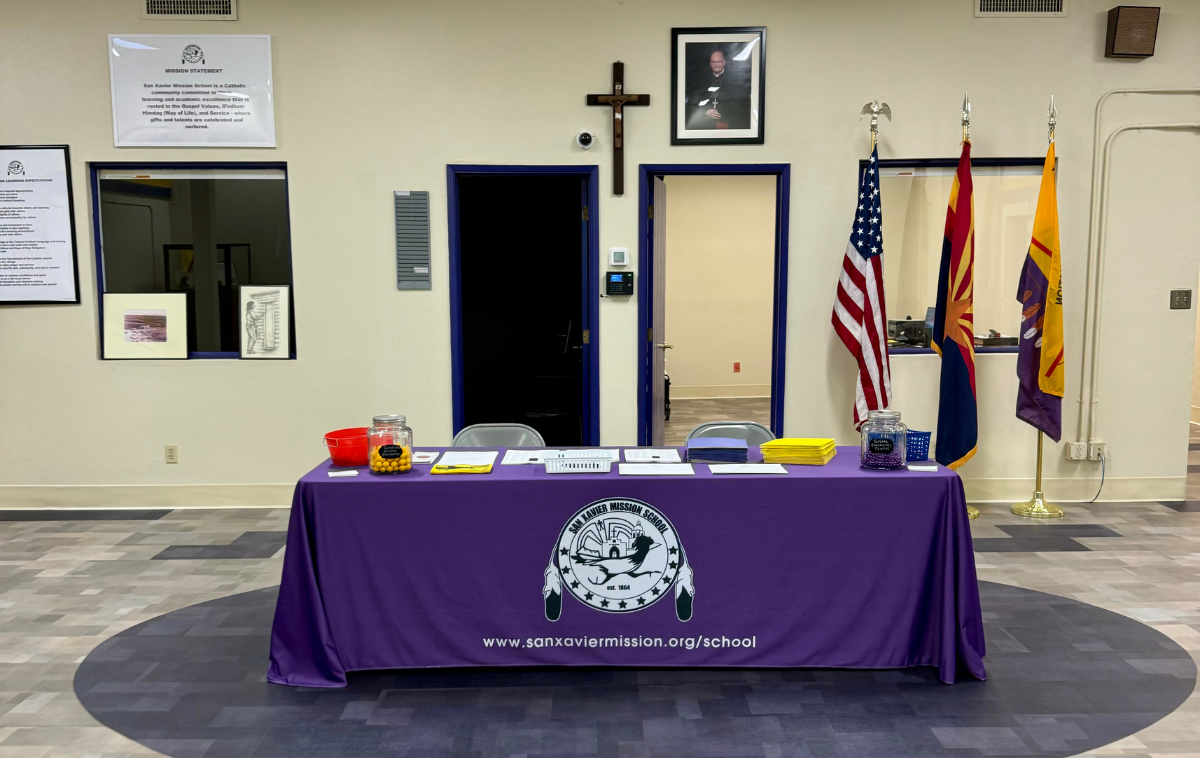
{"x": 618, "y": 100}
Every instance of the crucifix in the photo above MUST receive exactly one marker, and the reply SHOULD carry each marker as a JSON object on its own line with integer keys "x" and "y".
{"x": 618, "y": 100}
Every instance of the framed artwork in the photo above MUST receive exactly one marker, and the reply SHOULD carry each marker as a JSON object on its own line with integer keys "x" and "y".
{"x": 718, "y": 85}
{"x": 265, "y": 327}
{"x": 145, "y": 326}
{"x": 38, "y": 257}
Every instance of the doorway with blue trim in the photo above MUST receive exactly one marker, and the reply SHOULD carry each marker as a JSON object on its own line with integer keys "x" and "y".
{"x": 524, "y": 293}
{"x": 729, "y": 294}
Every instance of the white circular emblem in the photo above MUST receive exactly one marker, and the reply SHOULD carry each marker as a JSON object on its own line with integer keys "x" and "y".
{"x": 618, "y": 555}
{"x": 193, "y": 54}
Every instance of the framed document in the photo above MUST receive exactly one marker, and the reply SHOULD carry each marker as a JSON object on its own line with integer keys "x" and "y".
{"x": 265, "y": 325}
{"x": 38, "y": 256}
{"x": 145, "y": 326}
{"x": 199, "y": 90}
{"x": 718, "y": 85}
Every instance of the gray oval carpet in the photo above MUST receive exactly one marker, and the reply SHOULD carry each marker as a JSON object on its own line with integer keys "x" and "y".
{"x": 1064, "y": 677}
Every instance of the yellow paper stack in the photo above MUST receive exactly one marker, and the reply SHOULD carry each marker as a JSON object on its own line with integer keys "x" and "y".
{"x": 803, "y": 450}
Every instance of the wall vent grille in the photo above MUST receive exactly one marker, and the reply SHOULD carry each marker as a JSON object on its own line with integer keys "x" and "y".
{"x": 1020, "y": 7}
{"x": 204, "y": 10}
{"x": 412, "y": 241}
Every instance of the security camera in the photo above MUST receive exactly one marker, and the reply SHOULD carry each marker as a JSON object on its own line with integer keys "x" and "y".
{"x": 585, "y": 139}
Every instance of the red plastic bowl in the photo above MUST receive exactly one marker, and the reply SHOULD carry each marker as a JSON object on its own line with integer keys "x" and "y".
{"x": 348, "y": 447}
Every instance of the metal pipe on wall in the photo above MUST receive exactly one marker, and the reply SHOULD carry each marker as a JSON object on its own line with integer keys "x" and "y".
{"x": 1087, "y": 378}
{"x": 1102, "y": 239}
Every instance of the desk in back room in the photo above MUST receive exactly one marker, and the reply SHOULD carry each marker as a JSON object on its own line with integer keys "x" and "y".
{"x": 826, "y": 566}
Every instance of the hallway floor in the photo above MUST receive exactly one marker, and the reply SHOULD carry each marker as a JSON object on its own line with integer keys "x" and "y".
{"x": 687, "y": 414}
{"x": 73, "y": 584}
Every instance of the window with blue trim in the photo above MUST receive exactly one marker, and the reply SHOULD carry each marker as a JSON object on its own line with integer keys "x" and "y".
{"x": 915, "y": 195}
{"x": 203, "y": 230}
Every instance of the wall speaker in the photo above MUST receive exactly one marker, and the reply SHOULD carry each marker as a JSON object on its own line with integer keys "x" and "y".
{"x": 1132, "y": 30}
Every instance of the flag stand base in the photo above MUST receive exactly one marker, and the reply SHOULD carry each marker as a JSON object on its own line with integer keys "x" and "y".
{"x": 972, "y": 512}
{"x": 1037, "y": 507}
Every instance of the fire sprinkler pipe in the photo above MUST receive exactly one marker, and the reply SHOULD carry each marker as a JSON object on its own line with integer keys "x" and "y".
{"x": 1101, "y": 246}
{"x": 1096, "y": 223}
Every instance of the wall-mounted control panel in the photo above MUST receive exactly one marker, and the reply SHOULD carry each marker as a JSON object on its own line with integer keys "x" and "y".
{"x": 618, "y": 283}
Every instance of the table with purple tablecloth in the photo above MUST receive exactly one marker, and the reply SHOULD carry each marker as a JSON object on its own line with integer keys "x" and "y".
{"x": 826, "y": 566}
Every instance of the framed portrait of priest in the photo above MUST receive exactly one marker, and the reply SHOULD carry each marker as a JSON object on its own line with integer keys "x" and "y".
{"x": 718, "y": 85}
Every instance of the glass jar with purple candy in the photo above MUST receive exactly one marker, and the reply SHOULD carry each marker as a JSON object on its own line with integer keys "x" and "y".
{"x": 884, "y": 441}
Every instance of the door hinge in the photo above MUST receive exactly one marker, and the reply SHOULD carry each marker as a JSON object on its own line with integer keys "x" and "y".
{"x": 585, "y": 213}
{"x": 650, "y": 212}
{"x": 587, "y": 336}
{"x": 650, "y": 334}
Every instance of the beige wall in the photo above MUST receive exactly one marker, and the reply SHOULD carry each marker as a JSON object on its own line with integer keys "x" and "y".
{"x": 374, "y": 96}
{"x": 720, "y": 271}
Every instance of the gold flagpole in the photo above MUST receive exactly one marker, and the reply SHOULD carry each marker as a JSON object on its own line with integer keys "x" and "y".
{"x": 972, "y": 511}
{"x": 1036, "y": 506}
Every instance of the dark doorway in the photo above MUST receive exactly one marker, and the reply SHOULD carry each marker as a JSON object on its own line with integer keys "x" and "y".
{"x": 522, "y": 251}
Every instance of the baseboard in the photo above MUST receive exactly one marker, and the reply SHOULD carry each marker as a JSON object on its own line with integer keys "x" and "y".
{"x": 1116, "y": 489}
{"x": 717, "y": 391}
{"x": 116, "y": 496}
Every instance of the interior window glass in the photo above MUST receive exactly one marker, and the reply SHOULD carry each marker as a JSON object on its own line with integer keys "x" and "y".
{"x": 202, "y": 232}
{"x": 915, "y": 199}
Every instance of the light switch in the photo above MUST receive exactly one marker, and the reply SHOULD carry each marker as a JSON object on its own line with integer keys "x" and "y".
{"x": 1181, "y": 300}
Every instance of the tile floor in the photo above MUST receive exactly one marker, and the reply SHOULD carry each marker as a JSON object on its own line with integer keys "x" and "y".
{"x": 67, "y": 585}
{"x": 687, "y": 414}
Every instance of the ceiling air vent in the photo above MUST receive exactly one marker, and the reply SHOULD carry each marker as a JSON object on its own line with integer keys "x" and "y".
{"x": 200, "y": 10}
{"x": 1013, "y": 8}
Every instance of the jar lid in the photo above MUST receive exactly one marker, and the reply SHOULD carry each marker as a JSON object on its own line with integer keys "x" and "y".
{"x": 388, "y": 420}
{"x": 883, "y": 415}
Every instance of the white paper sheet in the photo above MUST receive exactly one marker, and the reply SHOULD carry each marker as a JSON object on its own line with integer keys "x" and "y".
{"x": 198, "y": 90}
{"x": 915, "y": 467}
{"x": 468, "y": 458}
{"x": 426, "y": 457}
{"x": 351, "y": 472}
{"x": 656, "y": 469}
{"x": 646, "y": 455}
{"x": 747, "y": 468}
{"x": 512, "y": 457}
{"x": 614, "y": 454}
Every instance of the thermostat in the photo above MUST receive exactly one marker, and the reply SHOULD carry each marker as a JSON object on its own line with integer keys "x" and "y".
{"x": 618, "y": 283}
{"x": 618, "y": 256}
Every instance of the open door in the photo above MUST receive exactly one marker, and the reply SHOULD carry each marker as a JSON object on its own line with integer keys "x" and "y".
{"x": 659, "y": 347}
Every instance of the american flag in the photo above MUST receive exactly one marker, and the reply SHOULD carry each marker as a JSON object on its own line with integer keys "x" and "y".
{"x": 859, "y": 313}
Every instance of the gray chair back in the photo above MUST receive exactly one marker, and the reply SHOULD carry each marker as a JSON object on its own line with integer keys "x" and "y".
{"x": 753, "y": 432}
{"x": 498, "y": 435}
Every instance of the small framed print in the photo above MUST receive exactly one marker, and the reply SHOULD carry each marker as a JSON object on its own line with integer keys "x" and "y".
{"x": 718, "y": 85}
{"x": 265, "y": 326}
{"x": 145, "y": 326}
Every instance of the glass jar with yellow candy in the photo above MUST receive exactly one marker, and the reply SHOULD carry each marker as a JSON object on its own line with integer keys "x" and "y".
{"x": 389, "y": 445}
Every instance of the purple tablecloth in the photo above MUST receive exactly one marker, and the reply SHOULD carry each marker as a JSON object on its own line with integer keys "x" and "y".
{"x": 827, "y": 566}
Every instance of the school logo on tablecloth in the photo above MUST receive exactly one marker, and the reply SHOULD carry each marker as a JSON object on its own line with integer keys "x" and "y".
{"x": 618, "y": 555}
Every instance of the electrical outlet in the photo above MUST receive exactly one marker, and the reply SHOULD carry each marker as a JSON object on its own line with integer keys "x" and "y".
{"x": 1077, "y": 451}
{"x": 1096, "y": 450}
{"x": 172, "y": 453}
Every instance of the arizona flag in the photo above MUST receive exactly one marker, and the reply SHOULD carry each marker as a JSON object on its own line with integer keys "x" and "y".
{"x": 1040, "y": 363}
{"x": 954, "y": 324}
